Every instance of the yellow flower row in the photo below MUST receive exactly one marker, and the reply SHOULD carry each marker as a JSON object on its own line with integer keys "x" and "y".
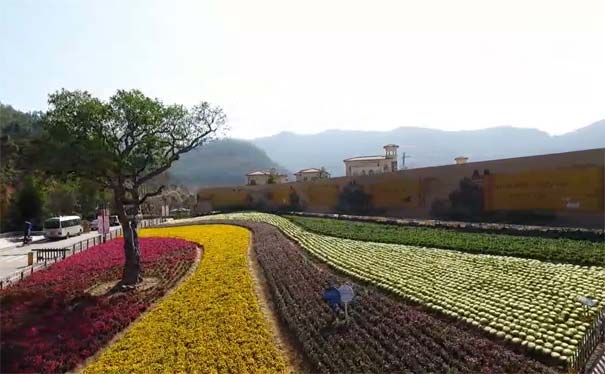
{"x": 212, "y": 323}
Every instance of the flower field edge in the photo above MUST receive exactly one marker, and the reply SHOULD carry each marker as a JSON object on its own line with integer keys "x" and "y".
{"x": 211, "y": 323}
{"x": 196, "y": 262}
{"x": 52, "y": 321}
{"x": 287, "y": 344}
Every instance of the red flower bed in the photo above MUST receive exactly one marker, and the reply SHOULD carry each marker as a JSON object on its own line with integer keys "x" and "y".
{"x": 50, "y": 323}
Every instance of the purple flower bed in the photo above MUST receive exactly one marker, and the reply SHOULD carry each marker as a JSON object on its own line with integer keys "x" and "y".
{"x": 385, "y": 334}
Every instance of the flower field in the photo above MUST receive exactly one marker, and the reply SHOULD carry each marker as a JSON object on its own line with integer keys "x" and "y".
{"x": 417, "y": 309}
{"x": 50, "y": 322}
{"x": 385, "y": 335}
{"x": 529, "y": 303}
{"x": 580, "y": 252}
{"x": 211, "y": 323}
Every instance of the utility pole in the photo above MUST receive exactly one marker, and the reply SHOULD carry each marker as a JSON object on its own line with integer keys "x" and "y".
{"x": 403, "y": 157}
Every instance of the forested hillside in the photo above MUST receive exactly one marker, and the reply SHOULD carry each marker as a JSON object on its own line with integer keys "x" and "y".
{"x": 224, "y": 162}
{"x": 27, "y": 192}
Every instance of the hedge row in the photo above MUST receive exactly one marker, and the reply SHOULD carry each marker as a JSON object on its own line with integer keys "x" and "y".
{"x": 542, "y": 231}
{"x": 578, "y": 252}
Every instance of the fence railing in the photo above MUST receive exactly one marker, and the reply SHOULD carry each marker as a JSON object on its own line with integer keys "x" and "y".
{"x": 46, "y": 254}
{"x": 69, "y": 250}
{"x": 594, "y": 335}
{"x": 50, "y": 257}
{"x": 151, "y": 222}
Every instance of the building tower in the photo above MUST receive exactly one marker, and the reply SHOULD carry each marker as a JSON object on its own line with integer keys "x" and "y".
{"x": 461, "y": 160}
{"x": 391, "y": 155}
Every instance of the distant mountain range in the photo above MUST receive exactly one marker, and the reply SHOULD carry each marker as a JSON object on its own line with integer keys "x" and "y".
{"x": 221, "y": 163}
{"x": 425, "y": 147}
{"x": 226, "y": 162}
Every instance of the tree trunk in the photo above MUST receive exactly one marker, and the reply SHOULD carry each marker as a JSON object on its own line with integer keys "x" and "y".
{"x": 132, "y": 266}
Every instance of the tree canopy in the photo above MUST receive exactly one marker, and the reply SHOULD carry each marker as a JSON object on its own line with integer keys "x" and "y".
{"x": 122, "y": 145}
{"x": 124, "y": 142}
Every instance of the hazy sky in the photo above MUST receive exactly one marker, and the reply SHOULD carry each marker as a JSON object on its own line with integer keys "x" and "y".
{"x": 308, "y": 65}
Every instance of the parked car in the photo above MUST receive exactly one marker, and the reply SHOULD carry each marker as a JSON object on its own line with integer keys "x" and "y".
{"x": 94, "y": 224}
{"x": 180, "y": 212}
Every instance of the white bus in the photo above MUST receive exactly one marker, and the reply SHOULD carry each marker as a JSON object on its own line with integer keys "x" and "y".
{"x": 62, "y": 227}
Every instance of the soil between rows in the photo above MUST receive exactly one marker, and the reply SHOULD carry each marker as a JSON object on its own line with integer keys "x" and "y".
{"x": 286, "y": 343}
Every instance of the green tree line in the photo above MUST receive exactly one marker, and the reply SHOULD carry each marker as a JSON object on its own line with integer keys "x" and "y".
{"x": 27, "y": 192}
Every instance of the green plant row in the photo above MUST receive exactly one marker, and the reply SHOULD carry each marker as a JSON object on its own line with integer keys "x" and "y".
{"x": 579, "y": 252}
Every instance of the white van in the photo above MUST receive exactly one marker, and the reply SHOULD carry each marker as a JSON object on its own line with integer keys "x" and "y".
{"x": 62, "y": 227}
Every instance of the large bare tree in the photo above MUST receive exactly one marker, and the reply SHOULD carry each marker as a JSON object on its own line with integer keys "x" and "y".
{"x": 122, "y": 144}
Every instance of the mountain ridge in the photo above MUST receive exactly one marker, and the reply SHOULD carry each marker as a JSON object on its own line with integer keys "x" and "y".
{"x": 427, "y": 147}
{"x": 579, "y": 129}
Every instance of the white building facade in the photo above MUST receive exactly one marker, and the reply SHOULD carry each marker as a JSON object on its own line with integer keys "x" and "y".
{"x": 311, "y": 174}
{"x": 372, "y": 165}
{"x": 265, "y": 177}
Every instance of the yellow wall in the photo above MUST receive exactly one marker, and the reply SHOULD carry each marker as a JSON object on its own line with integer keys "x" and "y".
{"x": 570, "y": 186}
{"x": 229, "y": 197}
{"x": 280, "y": 195}
{"x": 578, "y": 189}
{"x": 321, "y": 194}
{"x": 395, "y": 192}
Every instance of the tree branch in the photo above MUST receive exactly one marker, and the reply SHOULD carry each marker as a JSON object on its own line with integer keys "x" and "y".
{"x": 154, "y": 173}
{"x": 151, "y": 194}
{"x": 175, "y": 155}
{"x": 134, "y": 199}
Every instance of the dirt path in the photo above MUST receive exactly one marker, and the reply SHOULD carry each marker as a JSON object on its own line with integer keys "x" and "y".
{"x": 286, "y": 343}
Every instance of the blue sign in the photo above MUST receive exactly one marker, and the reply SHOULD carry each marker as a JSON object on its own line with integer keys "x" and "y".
{"x": 346, "y": 293}
{"x": 332, "y": 296}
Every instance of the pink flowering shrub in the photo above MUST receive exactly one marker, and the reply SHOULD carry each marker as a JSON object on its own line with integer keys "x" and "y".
{"x": 50, "y": 323}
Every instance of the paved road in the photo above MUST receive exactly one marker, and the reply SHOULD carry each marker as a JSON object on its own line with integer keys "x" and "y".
{"x": 14, "y": 241}
{"x": 14, "y": 258}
